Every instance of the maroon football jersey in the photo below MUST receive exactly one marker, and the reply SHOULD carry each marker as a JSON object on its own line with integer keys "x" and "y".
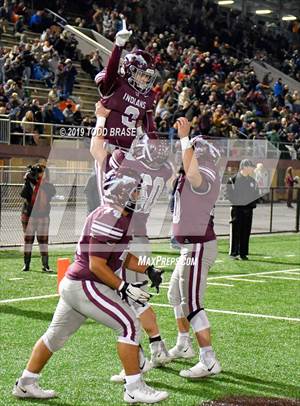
{"x": 127, "y": 108}
{"x": 192, "y": 217}
{"x": 154, "y": 182}
{"x": 104, "y": 235}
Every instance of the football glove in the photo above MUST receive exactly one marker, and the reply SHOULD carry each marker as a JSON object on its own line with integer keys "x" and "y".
{"x": 123, "y": 35}
{"x": 134, "y": 292}
{"x": 155, "y": 277}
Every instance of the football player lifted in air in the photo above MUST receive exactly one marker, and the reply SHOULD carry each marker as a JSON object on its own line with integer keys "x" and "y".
{"x": 127, "y": 92}
{"x": 196, "y": 194}
{"x": 93, "y": 289}
{"x": 149, "y": 158}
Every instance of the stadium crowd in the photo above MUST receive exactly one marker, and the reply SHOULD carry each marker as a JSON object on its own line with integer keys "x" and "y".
{"x": 215, "y": 90}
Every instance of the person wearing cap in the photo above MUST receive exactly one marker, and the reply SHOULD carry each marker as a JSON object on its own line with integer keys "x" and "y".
{"x": 242, "y": 192}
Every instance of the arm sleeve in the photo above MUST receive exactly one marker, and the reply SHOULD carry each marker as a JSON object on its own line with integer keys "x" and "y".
{"x": 106, "y": 78}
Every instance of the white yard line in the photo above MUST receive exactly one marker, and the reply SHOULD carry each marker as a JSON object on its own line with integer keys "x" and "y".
{"x": 219, "y": 284}
{"x": 246, "y": 280}
{"x": 267, "y": 257}
{"x": 263, "y": 316}
{"x": 24, "y": 299}
{"x": 290, "y": 255}
{"x": 250, "y": 274}
{"x": 280, "y": 278}
{"x": 218, "y": 261}
{"x": 15, "y": 279}
{"x": 292, "y": 273}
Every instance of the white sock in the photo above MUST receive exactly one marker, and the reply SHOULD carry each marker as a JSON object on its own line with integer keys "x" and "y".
{"x": 206, "y": 351}
{"x": 132, "y": 379}
{"x": 181, "y": 338}
{"x": 28, "y": 374}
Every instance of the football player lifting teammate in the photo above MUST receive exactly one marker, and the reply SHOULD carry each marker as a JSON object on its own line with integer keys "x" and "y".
{"x": 149, "y": 158}
{"x": 196, "y": 193}
{"x": 93, "y": 289}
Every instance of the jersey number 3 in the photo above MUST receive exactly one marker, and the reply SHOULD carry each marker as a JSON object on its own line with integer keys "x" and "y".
{"x": 130, "y": 116}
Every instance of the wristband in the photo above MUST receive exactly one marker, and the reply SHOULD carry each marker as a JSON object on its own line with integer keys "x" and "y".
{"x": 121, "y": 286}
{"x": 185, "y": 143}
{"x": 100, "y": 122}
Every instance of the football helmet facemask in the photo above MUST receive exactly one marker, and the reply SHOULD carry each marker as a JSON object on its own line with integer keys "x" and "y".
{"x": 139, "y": 70}
{"x": 120, "y": 188}
{"x": 205, "y": 150}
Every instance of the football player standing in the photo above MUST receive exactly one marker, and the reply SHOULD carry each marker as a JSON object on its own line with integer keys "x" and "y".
{"x": 93, "y": 289}
{"x": 196, "y": 193}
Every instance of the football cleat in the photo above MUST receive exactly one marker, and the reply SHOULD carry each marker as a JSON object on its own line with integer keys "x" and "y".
{"x": 120, "y": 378}
{"x": 46, "y": 269}
{"x": 201, "y": 370}
{"x": 183, "y": 349}
{"x": 29, "y": 388}
{"x": 159, "y": 354}
{"x": 139, "y": 392}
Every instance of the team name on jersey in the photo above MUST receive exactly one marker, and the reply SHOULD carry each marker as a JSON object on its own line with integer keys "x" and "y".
{"x": 133, "y": 100}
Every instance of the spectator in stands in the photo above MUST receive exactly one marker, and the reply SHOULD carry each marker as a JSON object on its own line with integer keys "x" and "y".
{"x": 290, "y": 181}
{"x": 19, "y": 28}
{"x": 30, "y": 129}
{"x": 69, "y": 75}
{"x": 37, "y": 193}
{"x": 68, "y": 113}
{"x": 278, "y": 92}
{"x": 77, "y": 116}
{"x": 88, "y": 67}
{"x": 36, "y": 22}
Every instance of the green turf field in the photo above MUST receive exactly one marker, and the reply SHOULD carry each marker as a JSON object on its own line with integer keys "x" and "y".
{"x": 259, "y": 354}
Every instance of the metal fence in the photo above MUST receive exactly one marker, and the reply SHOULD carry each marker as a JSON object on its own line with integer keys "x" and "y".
{"x": 69, "y": 210}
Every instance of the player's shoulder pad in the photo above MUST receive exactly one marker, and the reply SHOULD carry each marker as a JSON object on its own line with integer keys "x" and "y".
{"x": 108, "y": 225}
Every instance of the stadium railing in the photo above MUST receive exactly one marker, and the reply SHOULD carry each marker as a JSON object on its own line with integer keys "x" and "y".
{"x": 231, "y": 147}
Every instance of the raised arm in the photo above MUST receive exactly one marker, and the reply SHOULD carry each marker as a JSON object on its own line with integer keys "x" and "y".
{"x": 190, "y": 163}
{"x": 97, "y": 148}
{"x": 106, "y": 78}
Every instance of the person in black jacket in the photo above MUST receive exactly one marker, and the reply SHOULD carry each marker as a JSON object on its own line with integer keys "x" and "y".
{"x": 37, "y": 193}
{"x": 242, "y": 192}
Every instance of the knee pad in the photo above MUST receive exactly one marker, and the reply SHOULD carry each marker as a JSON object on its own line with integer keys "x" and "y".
{"x": 174, "y": 296}
{"x": 199, "y": 321}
